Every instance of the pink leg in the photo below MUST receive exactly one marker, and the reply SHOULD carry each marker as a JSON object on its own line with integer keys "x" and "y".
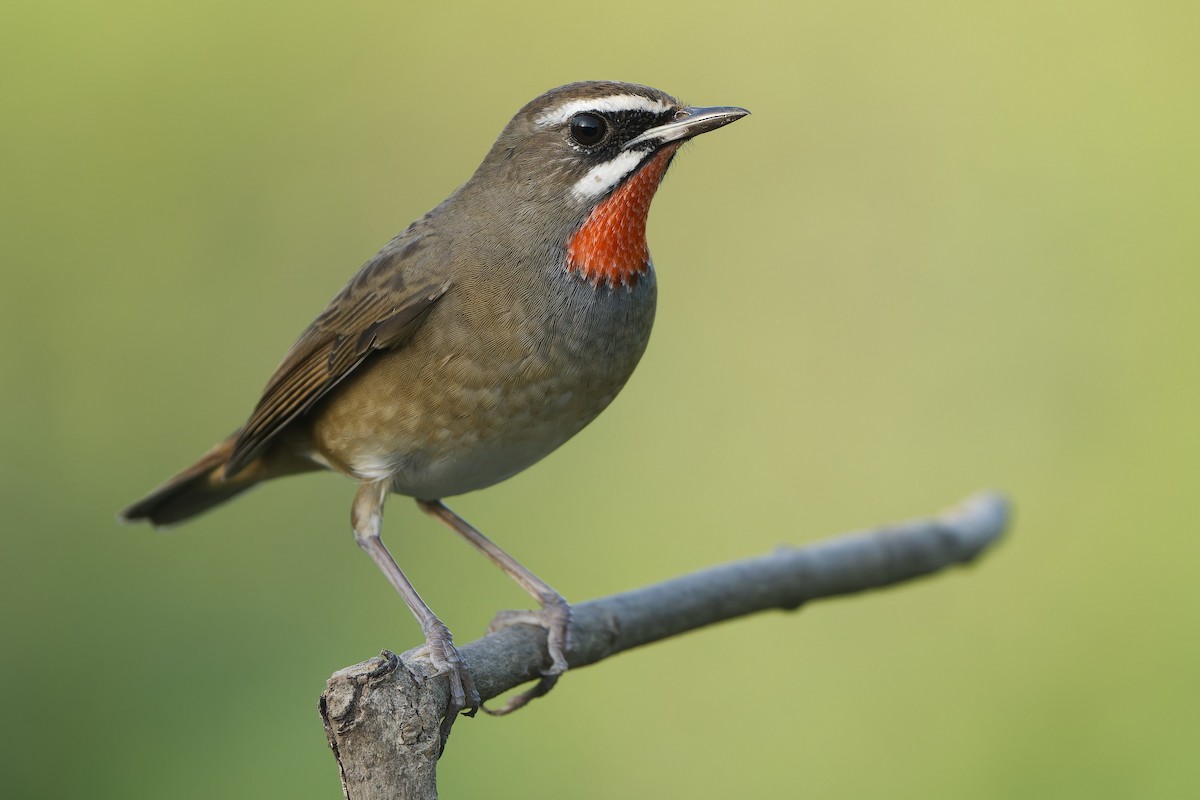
{"x": 367, "y": 518}
{"x": 555, "y": 615}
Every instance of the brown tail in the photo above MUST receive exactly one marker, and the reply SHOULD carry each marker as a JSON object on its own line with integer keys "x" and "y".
{"x": 198, "y": 488}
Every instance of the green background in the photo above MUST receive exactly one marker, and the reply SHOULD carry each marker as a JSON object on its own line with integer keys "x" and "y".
{"x": 955, "y": 246}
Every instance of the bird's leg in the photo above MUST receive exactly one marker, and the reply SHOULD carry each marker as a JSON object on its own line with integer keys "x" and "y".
{"x": 367, "y": 518}
{"x": 555, "y": 615}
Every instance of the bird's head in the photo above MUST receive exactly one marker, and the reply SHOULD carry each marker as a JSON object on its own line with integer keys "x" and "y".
{"x": 583, "y": 162}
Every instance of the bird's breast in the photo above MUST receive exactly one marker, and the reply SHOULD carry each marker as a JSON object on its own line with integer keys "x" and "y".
{"x": 490, "y": 384}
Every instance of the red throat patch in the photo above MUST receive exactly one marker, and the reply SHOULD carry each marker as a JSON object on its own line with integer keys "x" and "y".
{"x": 610, "y": 248}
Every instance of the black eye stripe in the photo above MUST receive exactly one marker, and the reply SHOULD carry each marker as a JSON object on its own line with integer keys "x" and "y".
{"x": 614, "y": 127}
{"x": 641, "y": 119}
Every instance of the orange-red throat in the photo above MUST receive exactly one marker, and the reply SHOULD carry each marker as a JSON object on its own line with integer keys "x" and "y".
{"x": 610, "y": 248}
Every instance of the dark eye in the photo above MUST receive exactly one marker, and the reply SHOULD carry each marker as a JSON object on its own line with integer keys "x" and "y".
{"x": 588, "y": 129}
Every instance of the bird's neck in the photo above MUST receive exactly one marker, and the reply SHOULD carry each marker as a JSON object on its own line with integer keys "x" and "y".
{"x": 610, "y": 247}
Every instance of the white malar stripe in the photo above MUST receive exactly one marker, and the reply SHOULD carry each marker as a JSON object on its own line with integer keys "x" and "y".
{"x": 612, "y": 104}
{"x": 603, "y": 177}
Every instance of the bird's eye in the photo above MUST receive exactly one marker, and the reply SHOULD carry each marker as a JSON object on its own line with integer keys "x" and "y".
{"x": 588, "y": 129}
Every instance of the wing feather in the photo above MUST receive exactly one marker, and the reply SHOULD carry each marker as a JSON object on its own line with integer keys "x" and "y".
{"x": 375, "y": 311}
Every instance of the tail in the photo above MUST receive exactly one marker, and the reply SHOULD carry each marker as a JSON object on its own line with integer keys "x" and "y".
{"x": 199, "y": 488}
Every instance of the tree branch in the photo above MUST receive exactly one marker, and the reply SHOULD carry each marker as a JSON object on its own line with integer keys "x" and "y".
{"x": 382, "y": 716}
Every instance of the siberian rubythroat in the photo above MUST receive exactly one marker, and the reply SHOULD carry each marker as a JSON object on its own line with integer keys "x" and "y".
{"x": 474, "y": 343}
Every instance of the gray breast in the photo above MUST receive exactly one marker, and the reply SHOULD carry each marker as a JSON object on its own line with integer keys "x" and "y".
{"x": 515, "y": 376}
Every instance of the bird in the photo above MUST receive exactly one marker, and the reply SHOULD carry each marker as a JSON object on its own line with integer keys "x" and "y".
{"x": 476, "y": 342}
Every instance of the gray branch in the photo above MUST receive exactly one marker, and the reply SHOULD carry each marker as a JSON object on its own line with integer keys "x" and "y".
{"x": 382, "y": 717}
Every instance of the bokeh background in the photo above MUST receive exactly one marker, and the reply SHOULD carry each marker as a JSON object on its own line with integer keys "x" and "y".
{"x": 955, "y": 246}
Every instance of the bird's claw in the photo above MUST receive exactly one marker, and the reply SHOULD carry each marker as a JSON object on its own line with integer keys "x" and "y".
{"x": 555, "y": 618}
{"x": 444, "y": 657}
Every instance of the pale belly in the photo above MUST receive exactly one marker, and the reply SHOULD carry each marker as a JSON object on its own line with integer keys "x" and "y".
{"x": 508, "y": 431}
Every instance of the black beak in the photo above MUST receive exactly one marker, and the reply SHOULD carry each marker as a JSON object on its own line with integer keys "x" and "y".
{"x": 688, "y": 123}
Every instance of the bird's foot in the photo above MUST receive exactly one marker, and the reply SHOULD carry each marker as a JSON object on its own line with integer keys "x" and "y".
{"x": 445, "y": 659}
{"x": 555, "y": 617}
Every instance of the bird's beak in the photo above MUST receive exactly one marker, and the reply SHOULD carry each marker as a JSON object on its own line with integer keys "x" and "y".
{"x": 688, "y": 123}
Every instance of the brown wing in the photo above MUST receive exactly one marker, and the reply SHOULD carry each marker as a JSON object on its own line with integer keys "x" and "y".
{"x": 376, "y": 311}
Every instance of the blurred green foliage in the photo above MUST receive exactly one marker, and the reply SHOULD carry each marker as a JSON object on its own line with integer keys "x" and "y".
{"x": 956, "y": 246}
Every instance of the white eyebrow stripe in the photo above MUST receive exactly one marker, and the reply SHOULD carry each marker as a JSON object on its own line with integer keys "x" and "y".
{"x": 603, "y": 177}
{"x": 613, "y": 103}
